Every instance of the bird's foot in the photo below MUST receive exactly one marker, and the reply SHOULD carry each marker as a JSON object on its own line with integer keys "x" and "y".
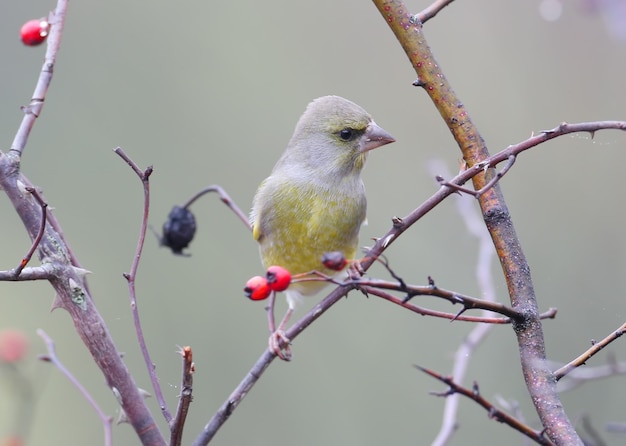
{"x": 355, "y": 270}
{"x": 280, "y": 345}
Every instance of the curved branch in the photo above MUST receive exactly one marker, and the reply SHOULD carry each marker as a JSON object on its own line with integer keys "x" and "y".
{"x": 539, "y": 379}
{"x": 144, "y": 177}
{"x": 52, "y": 357}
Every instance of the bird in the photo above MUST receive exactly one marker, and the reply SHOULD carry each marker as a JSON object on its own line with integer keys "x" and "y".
{"x": 314, "y": 200}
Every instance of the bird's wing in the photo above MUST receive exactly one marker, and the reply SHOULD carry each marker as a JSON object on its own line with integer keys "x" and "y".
{"x": 263, "y": 201}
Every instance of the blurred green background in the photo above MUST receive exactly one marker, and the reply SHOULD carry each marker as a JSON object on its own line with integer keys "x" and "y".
{"x": 209, "y": 92}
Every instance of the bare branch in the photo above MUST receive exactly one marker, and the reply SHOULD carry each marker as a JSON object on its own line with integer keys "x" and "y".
{"x": 43, "y": 272}
{"x": 431, "y": 11}
{"x": 144, "y": 176}
{"x": 589, "y": 353}
{"x": 494, "y": 413}
{"x": 578, "y": 376}
{"x": 42, "y": 228}
{"x": 186, "y": 389}
{"x": 52, "y": 357}
{"x": 225, "y": 199}
{"x": 491, "y": 183}
{"x": 450, "y": 296}
{"x": 33, "y": 110}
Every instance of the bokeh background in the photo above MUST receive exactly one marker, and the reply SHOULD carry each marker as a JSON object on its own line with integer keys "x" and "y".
{"x": 209, "y": 92}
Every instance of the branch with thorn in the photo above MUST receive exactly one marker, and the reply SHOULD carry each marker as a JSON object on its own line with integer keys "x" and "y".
{"x": 494, "y": 413}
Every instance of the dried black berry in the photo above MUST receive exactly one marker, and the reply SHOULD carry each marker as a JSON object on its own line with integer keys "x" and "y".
{"x": 179, "y": 229}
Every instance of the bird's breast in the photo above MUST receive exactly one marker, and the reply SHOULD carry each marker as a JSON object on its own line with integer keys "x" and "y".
{"x": 304, "y": 222}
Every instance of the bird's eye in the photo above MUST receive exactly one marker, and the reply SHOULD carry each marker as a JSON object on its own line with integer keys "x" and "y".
{"x": 346, "y": 134}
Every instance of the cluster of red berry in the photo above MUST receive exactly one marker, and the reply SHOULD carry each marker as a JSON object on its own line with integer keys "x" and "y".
{"x": 278, "y": 278}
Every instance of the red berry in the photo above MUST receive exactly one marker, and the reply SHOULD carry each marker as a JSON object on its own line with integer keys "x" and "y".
{"x": 257, "y": 288}
{"x": 13, "y": 345}
{"x": 12, "y": 441}
{"x": 34, "y": 31}
{"x": 278, "y": 278}
{"x": 334, "y": 260}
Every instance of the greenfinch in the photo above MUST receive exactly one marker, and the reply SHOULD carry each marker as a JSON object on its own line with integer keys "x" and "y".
{"x": 314, "y": 200}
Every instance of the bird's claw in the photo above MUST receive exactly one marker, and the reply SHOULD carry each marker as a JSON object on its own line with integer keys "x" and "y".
{"x": 355, "y": 270}
{"x": 280, "y": 345}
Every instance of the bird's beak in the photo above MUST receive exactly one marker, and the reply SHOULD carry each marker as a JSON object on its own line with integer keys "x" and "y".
{"x": 375, "y": 136}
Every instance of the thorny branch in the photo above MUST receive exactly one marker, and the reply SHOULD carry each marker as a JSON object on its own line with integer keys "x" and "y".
{"x": 494, "y": 413}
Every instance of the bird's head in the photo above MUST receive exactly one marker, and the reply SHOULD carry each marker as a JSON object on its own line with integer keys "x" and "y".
{"x": 332, "y": 138}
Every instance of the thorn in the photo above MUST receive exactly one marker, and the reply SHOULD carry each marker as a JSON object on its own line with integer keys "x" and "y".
{"x": 419, "y": 367}
{"x": 456, "y": 316}
{"x": 475, "y": 389}
{"x": 387, "y": 240}
{"x": 81, "y": 272}
{"x": 22, "y": 188}
{"x": 431, "y": 282}
{"x": 56, "y": 303}
{"x": 122, "y": 417}
{"x": 144, "y": 393}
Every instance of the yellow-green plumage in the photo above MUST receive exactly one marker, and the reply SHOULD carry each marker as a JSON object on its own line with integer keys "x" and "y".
{"x": 314, "y": 200}
{"x": 306, "y": 221}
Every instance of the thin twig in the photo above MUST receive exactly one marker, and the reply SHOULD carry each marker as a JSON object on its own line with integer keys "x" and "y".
{"x": 186, "y": 390}
{"x": 595, "y": 349}
{"x": 225, "y": 199}
{"x": 468, "y": 302}
{"x": 33, "y": 110}
{"x": 550, "y": 314}
{"x": 494, "y": 413}
{"x": 144, "y": 176}
{"x": 581, "y": 375}
{"x": 491, "y": 183}
{"x": 140, "y": 173}
{"x": 43, "y": 272}
{"x": 42, "y": 229}
{"x": 431, "y": 11}
{"x": 106, "y": 420}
